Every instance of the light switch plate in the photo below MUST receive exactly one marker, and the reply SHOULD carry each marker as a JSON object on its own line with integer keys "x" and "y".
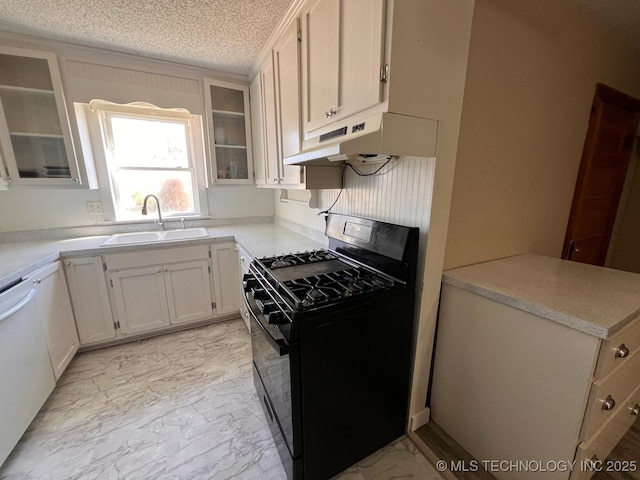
{"x": 95, "y": 208}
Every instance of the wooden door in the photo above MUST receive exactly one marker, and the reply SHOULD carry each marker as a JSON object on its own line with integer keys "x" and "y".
{"x": 605, "y": 158}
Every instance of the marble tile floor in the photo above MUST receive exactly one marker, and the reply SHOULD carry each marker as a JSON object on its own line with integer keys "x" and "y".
{"x": 178, "y": 406}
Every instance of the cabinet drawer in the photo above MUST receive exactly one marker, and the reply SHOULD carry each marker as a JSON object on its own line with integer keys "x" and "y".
{"x": 604, "y": 441}
{"x": 244, "y": 258}
{"x": 617, "y": 386}
{"x": 161, "y": 256}
{"x": 626, "y": 339}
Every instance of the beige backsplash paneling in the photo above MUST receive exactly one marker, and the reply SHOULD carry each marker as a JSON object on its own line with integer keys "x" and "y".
{"x": 400, "y": 193}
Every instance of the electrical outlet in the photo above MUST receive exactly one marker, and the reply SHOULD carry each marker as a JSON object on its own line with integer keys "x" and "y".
{"x": 95, "y": 208}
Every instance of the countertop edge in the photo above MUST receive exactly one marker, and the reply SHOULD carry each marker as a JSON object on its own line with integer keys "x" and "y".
{"x": 538, "y": 310}
{"x": 40, "y": 253}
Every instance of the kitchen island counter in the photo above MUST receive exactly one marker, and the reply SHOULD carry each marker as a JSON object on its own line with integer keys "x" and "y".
{"x": 18, "y": 259}
{"x": 595, "y": 300}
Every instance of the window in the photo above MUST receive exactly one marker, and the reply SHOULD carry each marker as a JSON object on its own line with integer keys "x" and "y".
{"x": 148, "y": 151}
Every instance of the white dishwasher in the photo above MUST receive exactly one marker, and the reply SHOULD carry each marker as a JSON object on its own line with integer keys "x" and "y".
{"x": 26, "y": 376}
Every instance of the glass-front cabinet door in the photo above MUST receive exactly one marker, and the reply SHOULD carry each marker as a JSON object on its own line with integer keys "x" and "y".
{"x": 229, "y": 129}
{"x": 35, "y": 139}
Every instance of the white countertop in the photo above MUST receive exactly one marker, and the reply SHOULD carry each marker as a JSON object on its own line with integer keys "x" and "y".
{"x": 595, "y": 300}
{"x": 18, "y": 259}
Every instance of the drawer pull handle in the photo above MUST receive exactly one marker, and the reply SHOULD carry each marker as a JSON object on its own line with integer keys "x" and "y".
{"x": 609, "y": 403}
{"x": 622, "y": 351}
{"x": 635, "y": 411}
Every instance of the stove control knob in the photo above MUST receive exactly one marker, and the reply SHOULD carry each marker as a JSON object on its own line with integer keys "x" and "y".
{"x": 269, "y": 307}
{"x": 249, "y": 282}
{"x": 276, "y": 318}
{"x": 260, "y": 294}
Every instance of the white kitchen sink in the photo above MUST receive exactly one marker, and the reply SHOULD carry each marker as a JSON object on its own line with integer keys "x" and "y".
{"x": 153, "y": 237}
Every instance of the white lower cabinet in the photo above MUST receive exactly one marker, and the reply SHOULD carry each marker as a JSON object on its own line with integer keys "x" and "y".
{"x": 153, "y": 295}
{"x": 150, "y": 298}
{"x": 244, "y": 260}
{"x": 189, "y": 291}
{"x": 152, "y": 289}
{"x": 90, "y": 299}
{"x": 225, "y": 263}
{"x": 53, "y": 301}
{"x": 140, "y": 299}
{"x": 510, "y": 385}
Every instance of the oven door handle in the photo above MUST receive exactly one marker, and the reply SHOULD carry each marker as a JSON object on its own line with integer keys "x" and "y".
{"x": 280, "y": 346}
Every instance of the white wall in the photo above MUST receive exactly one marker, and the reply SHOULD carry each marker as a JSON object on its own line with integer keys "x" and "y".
{"x": 533, "y": 68}
{"x": 93, "y": 73}
{"x": 624, "y": 253}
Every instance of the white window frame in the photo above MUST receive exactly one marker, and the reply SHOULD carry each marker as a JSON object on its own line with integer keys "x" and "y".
{"x": 104, "y": 111}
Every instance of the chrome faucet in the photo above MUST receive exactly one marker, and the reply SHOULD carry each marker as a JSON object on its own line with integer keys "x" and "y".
{"x": 144, "y": 209}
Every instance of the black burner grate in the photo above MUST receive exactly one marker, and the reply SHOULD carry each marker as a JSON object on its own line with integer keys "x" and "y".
{"x": 300, "y": 258}
{"x": 316, "y": 290}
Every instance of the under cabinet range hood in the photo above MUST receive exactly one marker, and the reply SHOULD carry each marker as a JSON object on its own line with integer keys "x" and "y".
{"x": 376, "y": 137}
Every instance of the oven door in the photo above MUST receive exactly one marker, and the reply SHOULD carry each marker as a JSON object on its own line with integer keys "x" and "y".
{"x": 272, "y": 360}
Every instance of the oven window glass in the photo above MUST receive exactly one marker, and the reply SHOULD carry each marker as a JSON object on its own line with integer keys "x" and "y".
{"x": 275, "y": 372}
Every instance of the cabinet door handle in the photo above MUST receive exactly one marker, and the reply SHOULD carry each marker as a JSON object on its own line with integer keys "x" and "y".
{"x": 635, "y": 411}
{"x": 609, "y": 403}
{"x": 622, "y": 351}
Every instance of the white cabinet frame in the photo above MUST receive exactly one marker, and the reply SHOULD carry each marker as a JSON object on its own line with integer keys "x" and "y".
{"x": 11, "y": 172}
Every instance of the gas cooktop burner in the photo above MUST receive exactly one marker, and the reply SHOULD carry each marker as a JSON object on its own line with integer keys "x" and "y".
{"x": 319, "y": 289}
{"x": 300, "y": 258}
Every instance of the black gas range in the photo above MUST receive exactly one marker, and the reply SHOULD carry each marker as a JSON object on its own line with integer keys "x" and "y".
{"x": 331, "y": 338}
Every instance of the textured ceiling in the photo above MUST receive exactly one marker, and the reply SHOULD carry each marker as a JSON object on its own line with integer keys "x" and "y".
{"x": 224, "y": 35}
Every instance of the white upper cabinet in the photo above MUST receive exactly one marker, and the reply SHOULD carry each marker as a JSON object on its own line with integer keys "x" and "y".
{"x": 229, "y": 132}
{"x": 257, "y": 131}
{"x": 35, "y": 139}
{"x": 280, "y": 96}
{"x": 342, "y": 59}
{"x": 271, "y": 149}
{"x": 286, "y": 57}
{"x": 277, "y": 131}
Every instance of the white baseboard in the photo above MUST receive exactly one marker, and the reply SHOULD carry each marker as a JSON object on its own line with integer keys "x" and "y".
{"x": 419, "y": 419}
